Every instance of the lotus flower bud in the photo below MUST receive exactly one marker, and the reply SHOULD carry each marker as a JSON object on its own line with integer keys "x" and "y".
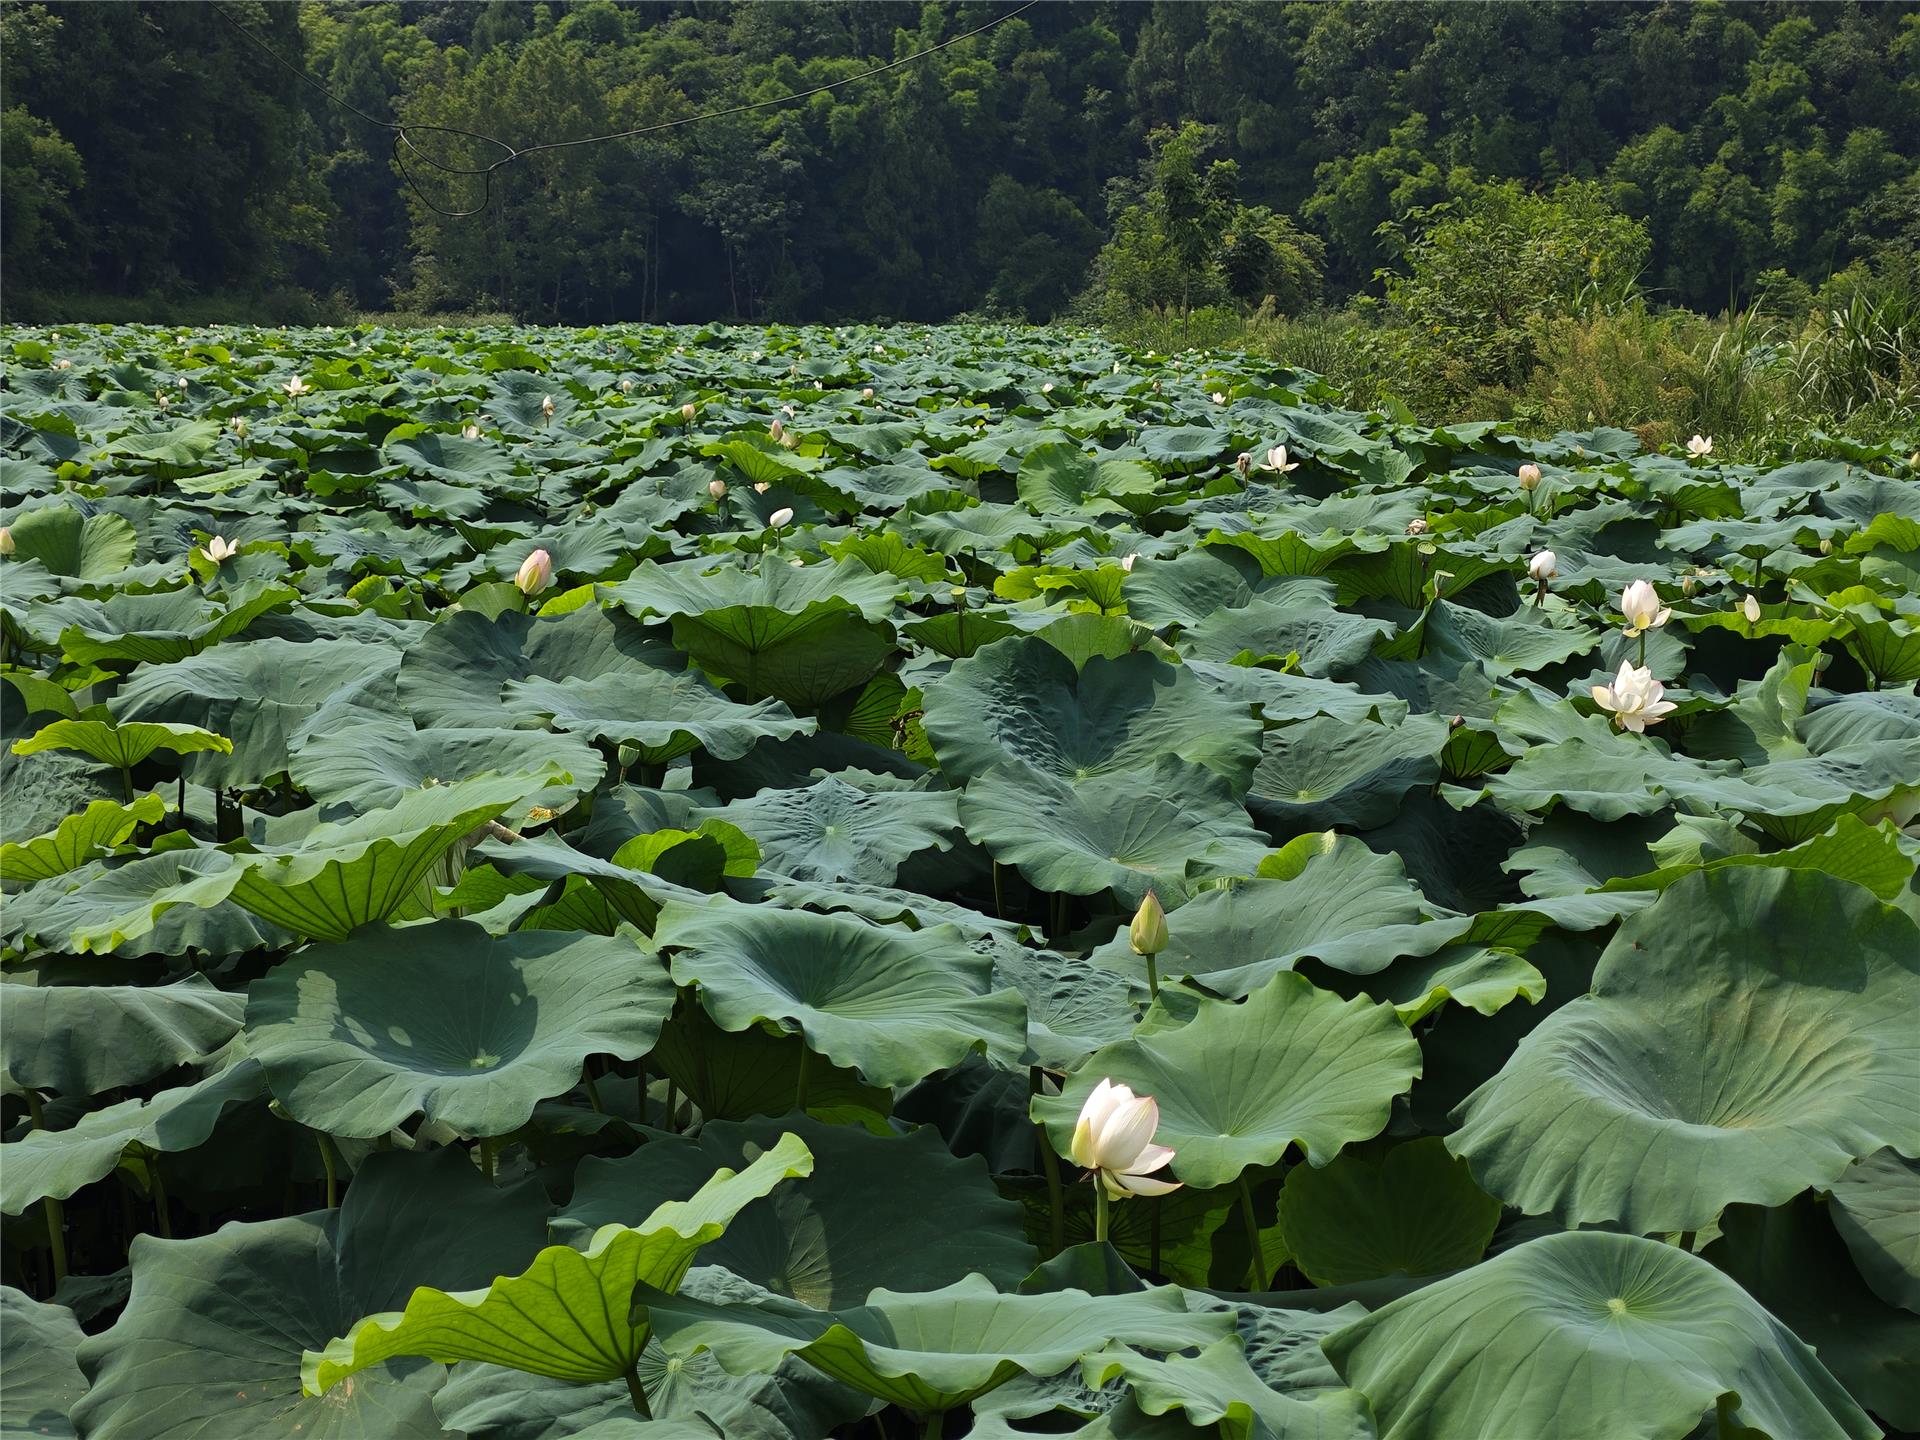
{"x": 1277, "y": 461}
{"x": 1529, "y": 476}
{"x": 1640, "y": 604}
{"x": 1826, "y": 546}
{"x": 760, "y": 487}
{"x": 472, "y": 432}
{"x": 6, "y": 540}
{"x": 1047, "y": 389}
{"x": 867, "y": 394}
{"x": 1114, "y": 1139}
{"x": 238, "y": 425}
{"x": 1126, "y": 561}
{"x": 1148, "y": 933}
{"x": 777, "y": 430}
{"x": 717, "y": 489}
{"x": 535, "y": 574}
{"x": 780, "y": 518}
{"x": 686, "y": 411}
{"x": 1544, "y": 566}
{"x": 626, "y": 387}
{"x": 1688, "y": 584}
{"x": 1750, "y": 607}
{"x": 1243, "y": 462}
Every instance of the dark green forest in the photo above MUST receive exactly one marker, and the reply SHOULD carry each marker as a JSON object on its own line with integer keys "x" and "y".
{"x": 152, "y": 151}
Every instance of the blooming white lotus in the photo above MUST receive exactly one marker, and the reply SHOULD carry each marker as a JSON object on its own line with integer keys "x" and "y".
{"x": 1219, "y": 397}
{"x": 1640, "y": 604}
{"x": 535, "y": 573}
{"x": 717, "y": 489}
{"x": 221, "y": 549}
{"x": 1750, "y": 607}
{"x": 1529, "y": 476}
{"x": 63, "y": 364}
{"x": 471, "y": 432}
{"x": 867, "y": 394}
{"x": 1277, "y": 461}
{"x": 1544, "y": 565}
{"x": 296, "y": 387}
{"x": 1114, "y": 1139}
{"x": 1126, "y": 562}
{"x": 1700, "y": 446}
{"x": 780, "y": 518}
{"x": 1634, "y": 698}
{"x": 1047, "y": 389}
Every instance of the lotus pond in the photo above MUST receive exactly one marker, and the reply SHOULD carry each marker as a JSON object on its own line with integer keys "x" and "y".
{"x": 587, "y": 883}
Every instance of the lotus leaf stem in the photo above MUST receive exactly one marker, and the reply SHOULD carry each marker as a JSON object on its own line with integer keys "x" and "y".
{"x": 1253, "y": 1233}
{"x": 800, "y": 1079}
{"x": 1101, "y": 1205}
{"x": 637, "y": 1391}
{"x": 56, "y": 1210}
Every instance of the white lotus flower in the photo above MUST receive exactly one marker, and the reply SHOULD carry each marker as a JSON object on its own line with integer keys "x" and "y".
{"x": 296, "y": 387}
{"x": 1219, "y": 397}
{"x": 787, "y": 410}
{"x": 1700, "y": 446}
{"x": 1640, "y": 604}
{"x": 686, "y": 411}
{"x": 1750, "y": 607}
{"x": 1416, "y": 527}
{"x": 220, "y": 549}
{"x": 867, "y": 394}
{"x": 780, "y": 518}
{"x": 1126, "y": 561}
{"x": 1116, "y": 367}
{"x": 717, "y": 489}
{"x": 472, "y": 432}
{"x": 163, "y": 399}
{"x": 1114, "y": 1139}
{"x": 546, "y": 406}
{"x": 1047, "y": 389}
{"x": 760, "y": 487}
{"x": 181, "y": 382}
{"x": 1529, "y": 476}
{"x": 1544, "y": 566}
{"x": 1633, "y": 698}
{"x": 1277, "y": 461}
{"x": 63, "y": 364}
{"x": 878, "y": 348}
{"x": 535, "y": 573}
{"x": 6, "y": 540}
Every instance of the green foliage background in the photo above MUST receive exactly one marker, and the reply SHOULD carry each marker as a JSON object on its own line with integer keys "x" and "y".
{"x": 152, "y": 152}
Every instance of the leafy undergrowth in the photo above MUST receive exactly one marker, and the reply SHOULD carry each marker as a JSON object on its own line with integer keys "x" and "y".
{"x": 577, "y": 884}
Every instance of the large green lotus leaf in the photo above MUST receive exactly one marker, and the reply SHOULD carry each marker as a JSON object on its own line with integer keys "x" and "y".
{"x": 932, "y": 1352}
{"x": 799, "y": 634}
{"x": 476, "y": 464}
{"x": 690, "y": 1397}
{"x": 263, "y": 693}
{"x": 1413, "y": 1210}
{"x": 1061, "y": 479}
{"x": 1128, "y": 831}
{"x": 1588, "y": 1336}
{"x": 896, "y": 1005}
{"x": 1482, "y": 978}
{"x": 123, "y": 745}
{"x": 1074, "y": 1006}
{"x": 1188, "y": 586}
{"x": 1282, "y": 698}
{"x": 1749, "y": 1034}
{"x": 1526, "y": 640}
{"x": 78, "y": 839}
{"x": 618, "y": 890}
{"x": 56, "y": 1163}
{"x": 340, "y": 876}
{"x": 1876, "y": 1209}
{"x": 1857, "y": 719}
{"x": 1791, "y": 1261}
{"x": 470, "y": 1030}
{"x": 83, "y": 1039}
{"x": 1604, "y": 780}
{"x": 894, "y": 1210}
{"x": 831, "y": 831}
{"x": 161, "y": 627}
{"x": 661, "y": 713}
{"x": 50, "y": 913}
{"x": 1796, "y": 799}
{"x": 1218, "y": 1387}
{"x": 453, "y": 676}
{"x": 1869, "y": 856}
{"x": 81, "y": 547}
{"x": 1325, "y": 772}
{"x": 1021, "y": 700}
{"x": 371, "y": 761}
{"x": 568, "y": 1315}
{"x": 1350, "y": 907}
{"x": 37, "y": 1345}
{"x": 1327, "y": 641}
{"x": 211, "y": 1340}
{"x": 1240, "y": 1083}
{"x": 736, "y": 1075}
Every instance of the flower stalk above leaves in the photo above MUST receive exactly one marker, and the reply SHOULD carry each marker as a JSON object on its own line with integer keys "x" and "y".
{"x": 1641, "y": 607}
{"x": 1277, "y": 461}
{"x": 1148, "y": 936}
{"x": 296, "y": 387}
{"x": 1634, "y": 699}
{"x": 1113, "y": 1140}
{"x": 1700, "y": 446}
